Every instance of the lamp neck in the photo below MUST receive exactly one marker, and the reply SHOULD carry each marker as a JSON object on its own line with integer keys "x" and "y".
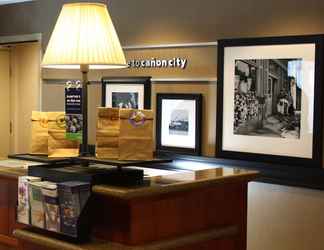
{"x": 84, "y": 148}
{"x": 84, "y": 68}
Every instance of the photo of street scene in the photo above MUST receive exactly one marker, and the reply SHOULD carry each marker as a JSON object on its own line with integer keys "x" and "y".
{"x": 267, "y": 98}
{"x": 125, "y": 100}
{"x": 179, "y": 123}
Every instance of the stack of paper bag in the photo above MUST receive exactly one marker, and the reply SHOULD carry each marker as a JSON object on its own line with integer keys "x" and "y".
{"x": 107, "y": 143}
{"x": 124, "y": 134}
{"x": 39, "y": 143}
{"x": 58, "y": 145}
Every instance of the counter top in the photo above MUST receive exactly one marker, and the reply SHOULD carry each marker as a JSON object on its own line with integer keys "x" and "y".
{"x": 45, "y": 241}
{"x": 179, "y": 181}
{"x": 12, "y": 173}
{"x": 12, "y": 168}
{"x": 157, "y": 184}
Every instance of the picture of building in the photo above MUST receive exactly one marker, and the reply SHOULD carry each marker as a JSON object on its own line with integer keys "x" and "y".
{"x": 125, "y": 100}
{"x": 179, "y": 123}
{"x": 268, "y": 97}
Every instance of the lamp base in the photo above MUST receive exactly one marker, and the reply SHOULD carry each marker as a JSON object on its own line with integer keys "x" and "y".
{"x": 85, "y": 153}
{"x": 88, "y": 150}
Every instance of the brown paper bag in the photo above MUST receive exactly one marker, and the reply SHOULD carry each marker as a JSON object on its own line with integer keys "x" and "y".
{"x": 136, "y": 132}
{"x": 39, "y": 136}
{"x": 58, "y": 146}
{"x": 107, "y": 134}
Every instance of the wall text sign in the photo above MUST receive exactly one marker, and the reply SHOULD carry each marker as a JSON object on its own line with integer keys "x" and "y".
{"x": 176, "y": 62}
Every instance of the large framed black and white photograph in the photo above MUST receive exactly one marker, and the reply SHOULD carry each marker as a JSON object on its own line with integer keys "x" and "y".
{"x": 178, "y": 123}
{"x": 269, "y": 104}
{"x": 126, "y": 92}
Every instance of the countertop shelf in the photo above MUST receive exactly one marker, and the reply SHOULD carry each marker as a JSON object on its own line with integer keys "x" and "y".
{"x": 164, "y": 183}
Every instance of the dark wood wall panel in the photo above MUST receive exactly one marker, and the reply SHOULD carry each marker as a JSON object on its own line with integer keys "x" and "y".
{"x": 167, "y": 216}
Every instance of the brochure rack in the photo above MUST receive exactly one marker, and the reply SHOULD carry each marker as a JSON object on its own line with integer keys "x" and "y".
{"x": 83, "y": 226}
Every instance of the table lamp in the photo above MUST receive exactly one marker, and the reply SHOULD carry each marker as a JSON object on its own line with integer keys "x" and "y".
{"x": 84, "y": 38}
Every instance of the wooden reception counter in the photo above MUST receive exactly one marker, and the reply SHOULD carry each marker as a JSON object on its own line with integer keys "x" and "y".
{"x": 187, "y": 210}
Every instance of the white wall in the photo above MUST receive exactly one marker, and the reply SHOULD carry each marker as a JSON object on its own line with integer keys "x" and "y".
{"x": 285, "y": 218}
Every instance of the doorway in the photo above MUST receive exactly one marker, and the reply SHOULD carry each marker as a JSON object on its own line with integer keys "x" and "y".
{"x": 20, "y": 94}
{"x": 4, "y": 102}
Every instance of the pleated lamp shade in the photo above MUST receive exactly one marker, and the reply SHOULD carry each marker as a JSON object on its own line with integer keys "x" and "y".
{"x": 84, "y": 35}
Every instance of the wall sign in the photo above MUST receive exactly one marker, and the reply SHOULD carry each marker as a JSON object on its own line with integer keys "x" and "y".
{"x": 175, "y": 62}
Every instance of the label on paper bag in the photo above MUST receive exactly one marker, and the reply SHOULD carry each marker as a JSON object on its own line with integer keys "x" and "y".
{"x": 137, "y": 118}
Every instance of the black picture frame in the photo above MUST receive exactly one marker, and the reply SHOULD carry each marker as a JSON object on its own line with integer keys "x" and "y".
{"x": 316, "y": 160}
{"x": 145, "y": 80}
{"x": 198, "y": 123}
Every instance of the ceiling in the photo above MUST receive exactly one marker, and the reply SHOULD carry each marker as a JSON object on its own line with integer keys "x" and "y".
{"x": 3, "y": 2}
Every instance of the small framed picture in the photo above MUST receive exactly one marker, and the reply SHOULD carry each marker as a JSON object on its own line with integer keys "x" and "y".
{"x": 269, "y": 99}
{"x": 126, "y": 92}
{"x": 178, "y": 123}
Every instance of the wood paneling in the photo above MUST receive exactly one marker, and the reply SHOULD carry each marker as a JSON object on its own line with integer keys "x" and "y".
{"x": 8, "y": 203}
{"x": 203, "y": 218}
{"x": 4, "y": 207}
{"x": 141, "y": 221}
{"x": 219, "y": 244}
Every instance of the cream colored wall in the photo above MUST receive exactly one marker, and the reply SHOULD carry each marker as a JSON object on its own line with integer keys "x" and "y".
{"x": 25, "y": 92}
{"x": 201, "y": 64}
{"x": 285, "y": 218}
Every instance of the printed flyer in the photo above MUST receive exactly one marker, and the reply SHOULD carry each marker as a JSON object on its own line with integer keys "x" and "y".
{"x": 73, "y": 111}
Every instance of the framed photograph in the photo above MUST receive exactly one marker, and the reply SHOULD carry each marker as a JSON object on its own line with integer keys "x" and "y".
{"x": 178, "y": 123}
{"x": 269, "y": 100}
{"x": 126, "y": 92}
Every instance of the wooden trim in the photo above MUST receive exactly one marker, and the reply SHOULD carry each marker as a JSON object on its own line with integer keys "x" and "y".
{"x": 171, "y": 45}
{"x": 153, "y": 80}
{"x": 45, "y": 242}
{"x": 9, "y": 241}
{"x": 36, "y": 37}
